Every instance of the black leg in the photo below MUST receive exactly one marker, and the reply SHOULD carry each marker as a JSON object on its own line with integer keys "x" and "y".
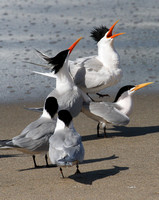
{"x": 61, "y": 172}
{"x": 102, "y": 95}
{"x": 105, "y": 133}
{"x": 90, "y": 97}
{"x": 46, "y": 159}
{"x": 77, "y": 171}
{"x": 98, "y": 126}
{"x": 35, "y": 165}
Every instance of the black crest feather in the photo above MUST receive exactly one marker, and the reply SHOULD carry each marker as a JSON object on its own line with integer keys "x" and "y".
{"x": 98, "y": 33}
{"x": 122, "y": 90}
{"x": 58, "y": 60}
{"x": 65, "y": 116}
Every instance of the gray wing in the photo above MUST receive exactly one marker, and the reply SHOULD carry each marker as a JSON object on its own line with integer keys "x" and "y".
{"x": 65, "y": 139}
{"x": 46, "y": 127}
{"x": 32, "y": 126}
{"x": 73, "y": 148}
{"x": 71, "y": 100}
{"x": 106, "y": 111}
{"x": 72, "y": 138}
{"x": 66, "y": 147}
{"x": 73, "y": 155}
{"x": 85, "y": 73}
{"x": 36, "y": 137}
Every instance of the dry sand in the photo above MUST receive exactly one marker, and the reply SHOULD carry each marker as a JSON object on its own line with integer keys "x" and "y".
{"x": 123, "y": 166}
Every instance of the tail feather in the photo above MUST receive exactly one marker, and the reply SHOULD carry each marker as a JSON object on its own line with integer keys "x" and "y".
{"x": 32, "y": 63}
{"x": 6, "y": 144}
{"x": 50, "y": 74}
{"x": 67, "y": 161}
{"x": 45, "y": 57}
{"x": 40, "y": 109}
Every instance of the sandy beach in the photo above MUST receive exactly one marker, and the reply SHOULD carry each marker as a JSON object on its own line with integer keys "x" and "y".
{"x": 122, "y": 166}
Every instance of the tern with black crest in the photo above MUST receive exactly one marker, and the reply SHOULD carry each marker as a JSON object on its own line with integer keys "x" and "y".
{"x": 96, "y": 72}
{"x": 116, "y": 113}
{"x": 66, "y": 148}
{"x": 34, "y": 139}
{"x": 68, "y": 95}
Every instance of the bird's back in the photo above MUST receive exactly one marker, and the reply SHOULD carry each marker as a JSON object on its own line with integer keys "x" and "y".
{"x": 66, "y": 147}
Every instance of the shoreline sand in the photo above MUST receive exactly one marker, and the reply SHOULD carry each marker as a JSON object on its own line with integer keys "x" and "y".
{"x": 122, "y": 166}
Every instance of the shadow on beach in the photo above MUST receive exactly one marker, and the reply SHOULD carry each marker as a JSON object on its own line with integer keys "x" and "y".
{"x": 84, "y": 162}
{"x": 10, "y": 155}
{"x": 123, "y": 131}
{"x": 88, "y": 178}
{"x": 99, "y": 159}
{"x": 38, "y": 167}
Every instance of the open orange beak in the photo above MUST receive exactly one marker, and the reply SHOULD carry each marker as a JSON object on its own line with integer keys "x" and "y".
{"x": 74, "y": 44}
{"x": 137, "y": 87}
{"x": 110, "y": 32}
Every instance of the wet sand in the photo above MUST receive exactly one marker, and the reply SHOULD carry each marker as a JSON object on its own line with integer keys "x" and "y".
{"x": 123, "y": 166}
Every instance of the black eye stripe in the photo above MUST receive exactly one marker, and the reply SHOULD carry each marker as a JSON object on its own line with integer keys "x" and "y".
{"x": 122, "y": 90}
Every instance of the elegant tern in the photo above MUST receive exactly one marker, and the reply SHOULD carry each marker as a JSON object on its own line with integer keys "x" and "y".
{"x": 94, "y": 73}
{"x": 65, "y": 146}
{"x": 68, "y": 95}
{"x": 116, "y": 113}
{"x": 34, "y": 139}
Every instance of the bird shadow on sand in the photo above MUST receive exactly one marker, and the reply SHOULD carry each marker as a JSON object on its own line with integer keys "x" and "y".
{"x": 10, "y": 155}
{"x": 99, "y": 159}
{"x": 123, "y": 131}
{"x": 84, "y": 162}
{"x": 38, "y": 167}
{"x": 92, "y": 137}
{"x": 88, "y": 178}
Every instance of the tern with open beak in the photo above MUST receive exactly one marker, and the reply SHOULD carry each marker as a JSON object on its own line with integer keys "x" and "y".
{"x": 95, "y": 73}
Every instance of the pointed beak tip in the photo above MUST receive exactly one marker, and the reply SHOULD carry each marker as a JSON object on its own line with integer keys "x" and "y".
{"x": 74, "y": 44}
{"x": 81, "y": 38}
{"x": 110, "y": 35}
{"x": 142, "y": 85}
{"x": 115, "y": 35}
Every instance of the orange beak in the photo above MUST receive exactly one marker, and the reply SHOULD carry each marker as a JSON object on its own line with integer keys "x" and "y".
{"x": 74, "y": 44}
{"x": 137, "y": 87}
{"x": 110, "y": 32}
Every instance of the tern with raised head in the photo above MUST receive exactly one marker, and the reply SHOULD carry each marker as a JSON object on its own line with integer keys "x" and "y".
{"x": 34, "y": 139}
{"x": 66, "y": 148}
{"x": 95, "y": 73}
{"x": 68, "y": 95}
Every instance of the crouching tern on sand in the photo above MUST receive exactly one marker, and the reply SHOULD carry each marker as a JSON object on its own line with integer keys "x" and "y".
{"x": 116, "y": 113}
{"x": 66, "y": 148}
{"x": 34, "y": 139}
